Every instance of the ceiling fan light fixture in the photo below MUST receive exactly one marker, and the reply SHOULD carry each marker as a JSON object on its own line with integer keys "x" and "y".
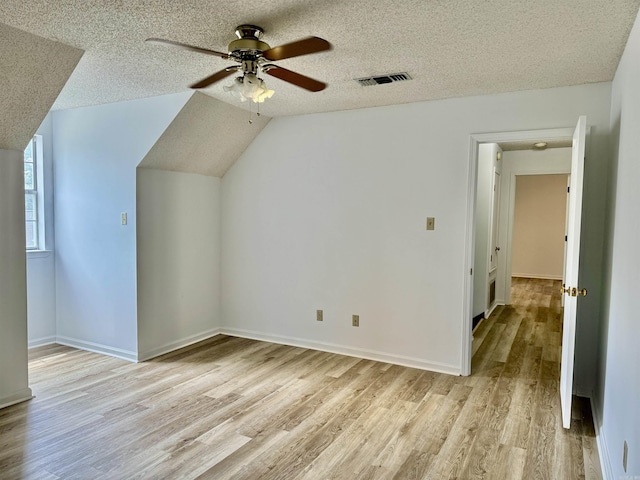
{"x": 251, "y": 53}
{"x": 249, "y": 87}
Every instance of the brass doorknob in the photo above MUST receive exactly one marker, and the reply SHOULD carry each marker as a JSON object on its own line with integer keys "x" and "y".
{"x": 574, "y": 292}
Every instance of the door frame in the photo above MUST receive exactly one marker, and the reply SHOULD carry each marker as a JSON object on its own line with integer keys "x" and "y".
{"x": 474, "y": 141}
{"x": 506, "y": 236}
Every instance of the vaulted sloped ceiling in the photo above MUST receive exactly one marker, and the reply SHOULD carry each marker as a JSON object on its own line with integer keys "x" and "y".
{"x": 33, "y": 71}
{"x": 206, "y": 137}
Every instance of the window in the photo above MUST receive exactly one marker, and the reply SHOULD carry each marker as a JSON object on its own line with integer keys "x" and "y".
{"x": 33, "y": 194}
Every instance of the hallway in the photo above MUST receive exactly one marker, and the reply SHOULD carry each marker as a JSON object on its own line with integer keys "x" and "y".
{"x": 519, "y": 347}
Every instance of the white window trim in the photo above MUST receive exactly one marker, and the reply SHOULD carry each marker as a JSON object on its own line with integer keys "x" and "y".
{"x": 38, "y": 253}
{"x": 39, "y": 165}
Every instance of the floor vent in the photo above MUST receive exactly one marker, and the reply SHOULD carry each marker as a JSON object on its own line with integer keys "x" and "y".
{"x": 382, "y": 79}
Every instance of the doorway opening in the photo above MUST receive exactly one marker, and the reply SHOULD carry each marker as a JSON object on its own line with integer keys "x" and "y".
{"x": 539, "y": 226}
{"x": 498, "y": 269}
{"x": 526, "y": 329}
{"x": 572, "y": 256}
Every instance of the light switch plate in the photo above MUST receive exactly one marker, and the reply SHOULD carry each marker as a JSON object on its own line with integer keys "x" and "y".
{"x": 123, "y": 218}
{"x": 431, "y": 223}
{"x": 355, "y": 320}
{"x": 319, "y": 315}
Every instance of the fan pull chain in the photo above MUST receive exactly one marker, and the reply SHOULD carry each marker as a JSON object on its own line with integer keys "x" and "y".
{"x": 250, "y": 113}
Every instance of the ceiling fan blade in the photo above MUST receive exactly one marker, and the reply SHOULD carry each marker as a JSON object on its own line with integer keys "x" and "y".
{"x": 295, "y": 78}
{"x": 216, "y": 77}
{"x": 295, "y": 49}
{"x": 184, "y": 46}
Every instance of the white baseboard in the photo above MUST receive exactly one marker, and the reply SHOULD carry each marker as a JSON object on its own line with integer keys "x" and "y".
{"x": 18, "y": 397}
{"x": 345, "y": 350}
{"x": 601, "y": 441}
{"x": 184, "y": 342}
{"x": 97, "y": 348}
{"x": 41, "y": 342}
{"x": 535, "y": 275}
{"x": 285, "y": 340}
{"x": 496, "y": 304}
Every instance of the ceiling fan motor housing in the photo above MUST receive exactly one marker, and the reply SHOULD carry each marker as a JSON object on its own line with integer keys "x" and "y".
{"x": 248, "y": 42}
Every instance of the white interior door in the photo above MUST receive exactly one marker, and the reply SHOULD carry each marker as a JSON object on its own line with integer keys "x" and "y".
{"x": 574, "y": 216}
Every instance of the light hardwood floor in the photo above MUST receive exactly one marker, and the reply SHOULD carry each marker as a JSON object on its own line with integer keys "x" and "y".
{"x": 231, "y": 408}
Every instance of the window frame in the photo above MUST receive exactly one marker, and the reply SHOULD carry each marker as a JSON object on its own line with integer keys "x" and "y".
{"x": 38, "y": 190}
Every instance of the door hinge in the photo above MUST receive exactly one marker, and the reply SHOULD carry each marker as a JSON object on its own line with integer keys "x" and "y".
{"x": 471, "y": 272}
{"x": 568, "y": 189}
{"x": 565, "y": 238}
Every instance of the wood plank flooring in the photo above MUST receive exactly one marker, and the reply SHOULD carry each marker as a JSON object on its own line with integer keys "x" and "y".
{"x": 232, "y": 408}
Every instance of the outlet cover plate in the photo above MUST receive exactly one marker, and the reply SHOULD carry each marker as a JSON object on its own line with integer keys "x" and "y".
{"x": 355, "y": 320}
{"x": 319, "y": 315}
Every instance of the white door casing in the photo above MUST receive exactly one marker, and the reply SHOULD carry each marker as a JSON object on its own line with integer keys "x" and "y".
{"x": 474, "y": 141}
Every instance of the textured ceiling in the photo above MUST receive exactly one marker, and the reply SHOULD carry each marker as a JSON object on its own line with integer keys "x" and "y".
{"x": 206, "y": 137}
{"x": 25, "y": 60}
{"x": 450, "y": 47}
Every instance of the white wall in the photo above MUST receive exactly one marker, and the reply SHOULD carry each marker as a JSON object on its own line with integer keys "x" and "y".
{"x": 13, "y": 298}
{"x": 539, "y": 226}
{"x": 618, "y": 394}
{"x": 96, "y": 152}
{"x": 41, "y": 294}
{"x": 178, "y": 259}
{"x": 328, "y": 212}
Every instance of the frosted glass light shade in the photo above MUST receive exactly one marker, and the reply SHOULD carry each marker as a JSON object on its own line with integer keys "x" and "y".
{"x": 249, "y": 87}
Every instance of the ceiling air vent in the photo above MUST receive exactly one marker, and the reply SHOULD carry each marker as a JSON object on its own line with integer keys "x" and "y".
{"x": 380, "y": 79}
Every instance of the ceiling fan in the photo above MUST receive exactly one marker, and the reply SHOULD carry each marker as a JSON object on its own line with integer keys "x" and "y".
{"x": 253, "y": 55}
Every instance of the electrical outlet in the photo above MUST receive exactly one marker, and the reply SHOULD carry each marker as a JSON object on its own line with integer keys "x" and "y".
{"x": 431, "y": 223}
{"x": 319, "y": 315}
{"x": 355, "y": 320}
{"x": 625, "y": 454}
{"x": 123, "y": 218}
